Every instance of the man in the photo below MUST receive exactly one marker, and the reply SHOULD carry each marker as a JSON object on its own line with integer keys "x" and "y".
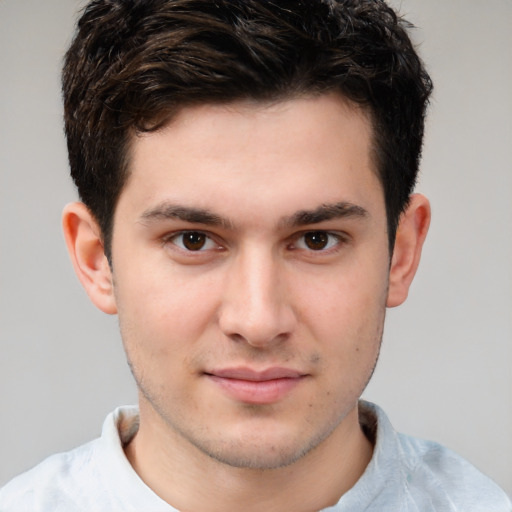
{"x": 246, "y": 171}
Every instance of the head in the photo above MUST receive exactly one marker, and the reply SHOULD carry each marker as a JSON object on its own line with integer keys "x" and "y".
{"x": 134, "y": 64}
{"x": 244, "y": 166}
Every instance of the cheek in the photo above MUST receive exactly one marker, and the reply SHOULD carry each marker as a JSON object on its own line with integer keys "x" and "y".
{"x": 346, "y": 308}
{"x": 347, "y": 324}
{"x": 163, "y": 316}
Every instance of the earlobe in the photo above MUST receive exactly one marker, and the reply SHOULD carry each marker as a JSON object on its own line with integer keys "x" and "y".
{"x": 84, "y": 243}
{"x": 411, "y": 233}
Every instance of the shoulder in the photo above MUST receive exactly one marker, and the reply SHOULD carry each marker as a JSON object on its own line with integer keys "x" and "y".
{"x": 407, "y": 473}
{"x": 82, "y": 479}
{"x": 51, "y": 485}
{"x": 438, "y": 475}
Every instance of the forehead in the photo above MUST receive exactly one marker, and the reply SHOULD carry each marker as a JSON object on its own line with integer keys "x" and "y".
{"x": 319, "y": 147}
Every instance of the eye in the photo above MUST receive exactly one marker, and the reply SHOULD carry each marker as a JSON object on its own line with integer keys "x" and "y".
{"x": 193, "y": 241}
{"x": 317, "y": 241}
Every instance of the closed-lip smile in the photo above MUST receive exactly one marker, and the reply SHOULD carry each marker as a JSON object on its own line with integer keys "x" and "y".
{"x": 247, "y": 385}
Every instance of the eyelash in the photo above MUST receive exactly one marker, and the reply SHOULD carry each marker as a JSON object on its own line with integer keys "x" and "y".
{"x": 334, "y": 241}
{"x": 176, "y": 236}
{"x": 333, "y": 244}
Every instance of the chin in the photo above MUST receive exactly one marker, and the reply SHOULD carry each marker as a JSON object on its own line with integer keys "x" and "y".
{"x": 258, "y": 457}
{"x": 269, "y": 450}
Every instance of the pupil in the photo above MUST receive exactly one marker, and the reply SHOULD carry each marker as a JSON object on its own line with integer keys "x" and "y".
{"x": 316, "y": 240}
{"x": 194, "y": 241}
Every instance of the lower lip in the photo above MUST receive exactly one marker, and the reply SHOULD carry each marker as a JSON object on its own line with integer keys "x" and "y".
{"x": 256, "y": 392}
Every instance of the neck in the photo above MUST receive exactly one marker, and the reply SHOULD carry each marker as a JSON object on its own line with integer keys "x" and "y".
{"x": 188, "y": 479}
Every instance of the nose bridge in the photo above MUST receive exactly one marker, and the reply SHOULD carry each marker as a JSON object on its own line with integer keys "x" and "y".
{"x": 255, "y": 305}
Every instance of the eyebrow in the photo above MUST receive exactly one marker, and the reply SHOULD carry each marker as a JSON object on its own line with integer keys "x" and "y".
{"x": 194, "y": 215}
{"x": 325, "y": 212}
{"x": 166, "y": 211}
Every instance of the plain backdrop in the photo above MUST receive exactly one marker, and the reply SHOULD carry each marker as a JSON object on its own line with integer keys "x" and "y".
{"x": 445, "y": 369}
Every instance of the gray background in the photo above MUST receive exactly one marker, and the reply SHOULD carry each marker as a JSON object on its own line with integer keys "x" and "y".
{"x": 445, "y": 371}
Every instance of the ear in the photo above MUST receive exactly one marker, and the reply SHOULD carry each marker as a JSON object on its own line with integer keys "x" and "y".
{"x": 85, "y": 246}
{"x": 411, "y": 233}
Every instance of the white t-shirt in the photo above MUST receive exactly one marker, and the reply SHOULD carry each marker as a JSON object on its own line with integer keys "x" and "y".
{"x": 404, "y": 475}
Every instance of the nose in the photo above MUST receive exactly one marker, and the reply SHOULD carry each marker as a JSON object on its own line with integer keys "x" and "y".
{"x": 256, "y": 306}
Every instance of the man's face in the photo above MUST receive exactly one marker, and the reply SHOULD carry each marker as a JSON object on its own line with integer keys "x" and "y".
{"x": 250, "y": 266}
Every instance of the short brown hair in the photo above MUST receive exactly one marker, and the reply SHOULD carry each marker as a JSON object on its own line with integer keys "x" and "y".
{"x": 134, "y": 63}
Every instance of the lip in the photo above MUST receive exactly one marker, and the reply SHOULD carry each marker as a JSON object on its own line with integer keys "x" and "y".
{"x": 251, "y": 386}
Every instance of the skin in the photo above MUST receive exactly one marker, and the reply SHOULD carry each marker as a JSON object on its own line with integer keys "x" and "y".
{"x": 251, "y": 273}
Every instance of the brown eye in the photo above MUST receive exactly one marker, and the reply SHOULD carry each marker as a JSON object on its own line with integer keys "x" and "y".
{"x": 192, "y": 245}
{"x": 192, "y": 240}
{"x": 316, "y": 240}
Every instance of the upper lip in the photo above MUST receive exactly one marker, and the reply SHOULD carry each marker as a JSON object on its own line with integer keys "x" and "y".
{"x": 244, "y": 373}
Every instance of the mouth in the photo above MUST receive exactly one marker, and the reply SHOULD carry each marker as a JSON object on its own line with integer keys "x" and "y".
{"x": 251, "y": 386}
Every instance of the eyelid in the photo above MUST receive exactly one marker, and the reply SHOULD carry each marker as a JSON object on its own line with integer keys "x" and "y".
{"x": 169, "y": 238}
{"x": 340, "y": 240}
